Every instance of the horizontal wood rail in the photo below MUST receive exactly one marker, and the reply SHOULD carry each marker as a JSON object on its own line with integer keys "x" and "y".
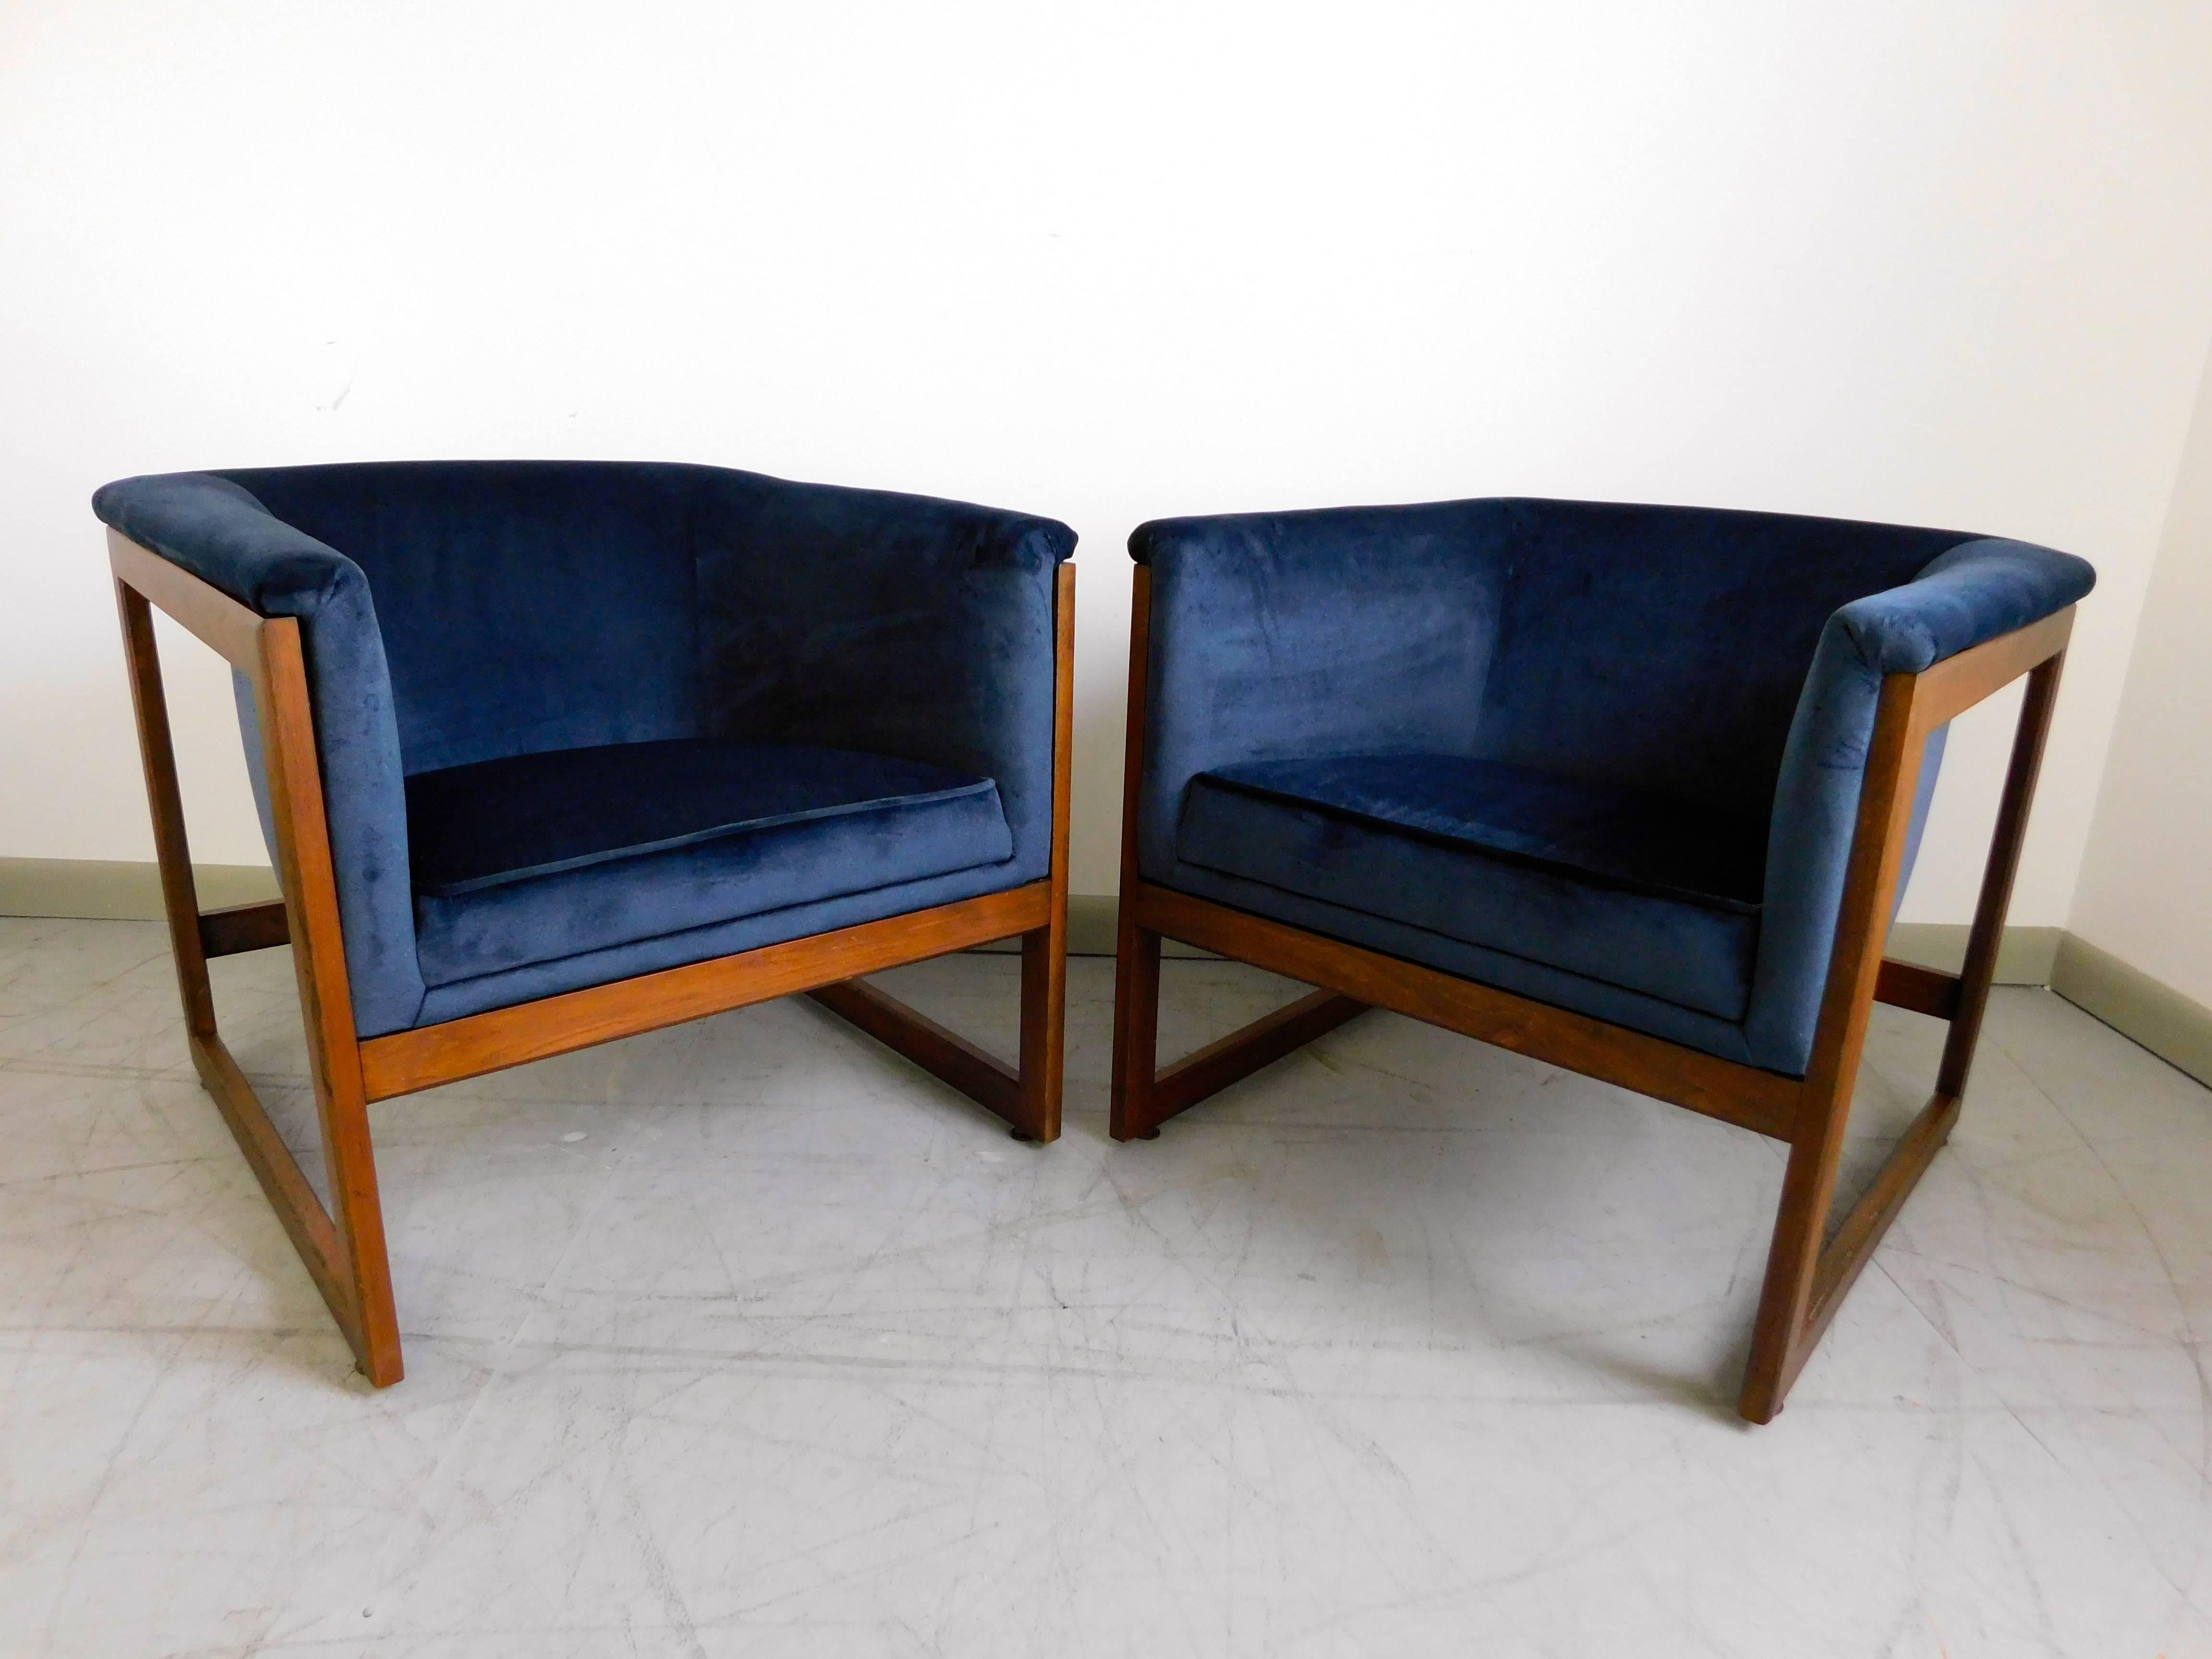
{"x": 240, "y": 928}
{"x": 1923, "y": 990}
{"x": 1766, "y": 1101}
{"x": 429, "y": 1055}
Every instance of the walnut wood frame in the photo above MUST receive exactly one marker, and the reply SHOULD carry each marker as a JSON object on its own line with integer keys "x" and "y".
{"x": 1806, "y": 1276}
{"x": 343, "y": 1247}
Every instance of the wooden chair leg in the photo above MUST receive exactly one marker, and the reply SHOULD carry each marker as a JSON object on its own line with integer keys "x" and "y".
{"x": 1044, "y": 1029}
{"x": 345, "y": 1255}
{"x": 349, "y": 1160}
{"x": 1044, "y": 951}
{"x": 1807, "y": 1280}
{"x": 1979, "y": 970}
{"x": 1029, "y": 1099}
{"x": 1145, "y": 1097}
{"x": 1778, "y": 1343}
{"x": 1136, "y": 1032}
{"x": 172, "y": 851}
{"x": 309, "y": 878}
{"x": 1777, "y": 1346}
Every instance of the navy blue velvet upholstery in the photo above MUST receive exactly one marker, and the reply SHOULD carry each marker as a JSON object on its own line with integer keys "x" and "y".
{"x": 461, "y": 614}
{"x": 496, "y": 822}
{"x": 535, "y": 857}
{"x": 1616, "y": 887}
{"x": 1605, "y": 756}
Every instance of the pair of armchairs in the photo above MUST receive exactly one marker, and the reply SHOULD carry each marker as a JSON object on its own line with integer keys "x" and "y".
{"x": 548, "y": 754}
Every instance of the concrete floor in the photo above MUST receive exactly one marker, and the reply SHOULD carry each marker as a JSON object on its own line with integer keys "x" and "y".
{"x": 746, "y": 1338}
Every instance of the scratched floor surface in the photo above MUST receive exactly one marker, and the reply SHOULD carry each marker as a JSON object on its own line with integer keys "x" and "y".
{"x": 747, "y": 1339}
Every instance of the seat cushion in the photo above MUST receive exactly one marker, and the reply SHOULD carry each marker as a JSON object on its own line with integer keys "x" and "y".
{"x": 536, "y": 857}
{"x": 1652, "y": 895}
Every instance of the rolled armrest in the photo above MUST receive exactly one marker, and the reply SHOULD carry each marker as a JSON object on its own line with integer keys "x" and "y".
{"x": 1976, "y": 591}
{"x": 897, "y": 624}
{"x": 1342, "y": 631}
{"x": 221, "y": 534}
{"x": 1971, "y": 594}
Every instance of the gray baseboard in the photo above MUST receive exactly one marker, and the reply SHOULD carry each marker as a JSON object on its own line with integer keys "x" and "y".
{"x": 1092, "y": 921}
{"x": 109, "y": 890}
{"x": 2170, "y": 1025}
{"x": 2175, "y": 1027}
{"x": 112, "y": 891}
{"x": 104, "y": 890}
{"x": 2024, "y": 958}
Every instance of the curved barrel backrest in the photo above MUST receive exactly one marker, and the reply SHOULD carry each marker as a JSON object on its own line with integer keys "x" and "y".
{"x": 1662, "y": 648}
{"x": 1726, "y": 659}
{"x": 525, "y": 605}
{"x": 461, "y": 611}
{"x": 1665, "y": 648}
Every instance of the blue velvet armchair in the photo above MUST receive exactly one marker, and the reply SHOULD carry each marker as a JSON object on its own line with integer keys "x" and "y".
{"x": 548, "y": 753}
{"x": 1633, "y": 789}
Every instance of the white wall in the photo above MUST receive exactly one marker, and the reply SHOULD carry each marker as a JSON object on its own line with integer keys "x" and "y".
{"x": 2146, "y": 892}
{"x": 1934, "y": 262}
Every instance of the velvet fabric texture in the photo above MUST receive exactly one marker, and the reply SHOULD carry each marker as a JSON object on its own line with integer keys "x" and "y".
{"x": 498, "y": 823}
{"x": 1491, "y": 854}
{"x": 1534, "y": 743}
{"x": 460, "y": 613}
{"x": 535, "y": 857}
